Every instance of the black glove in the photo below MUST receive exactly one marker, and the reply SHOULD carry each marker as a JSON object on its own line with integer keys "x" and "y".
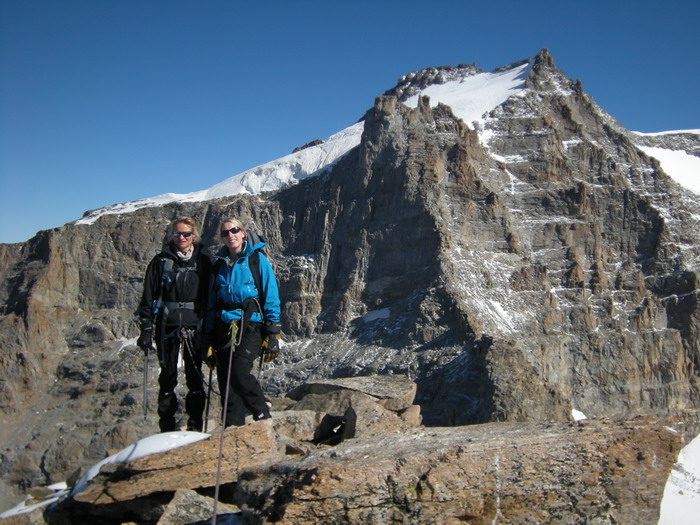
{"x": 145, "y": 341}
{"x": 273, "y": 347}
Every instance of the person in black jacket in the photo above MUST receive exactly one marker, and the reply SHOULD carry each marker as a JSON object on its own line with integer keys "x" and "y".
{"x": 171, "y": 310}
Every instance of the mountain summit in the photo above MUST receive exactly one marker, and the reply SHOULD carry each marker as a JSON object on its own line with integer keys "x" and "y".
{"x": 470, "y": 92}
{"x": 496, "y": 237}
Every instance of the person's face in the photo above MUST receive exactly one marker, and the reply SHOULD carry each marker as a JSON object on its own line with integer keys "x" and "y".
{"x": 183, "y": 237}
{"x": 232, "y": 237}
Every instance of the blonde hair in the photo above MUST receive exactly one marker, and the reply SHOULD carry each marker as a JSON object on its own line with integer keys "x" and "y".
{"x": 187, "y": 221}
{"x": 235, "y": 222}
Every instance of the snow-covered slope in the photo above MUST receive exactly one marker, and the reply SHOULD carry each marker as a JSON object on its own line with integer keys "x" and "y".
{"x": 471, "y": 95}
{"x": 470, "y": 98}
{"x": 266, "y": 177}
{"x": 681, "y": 166}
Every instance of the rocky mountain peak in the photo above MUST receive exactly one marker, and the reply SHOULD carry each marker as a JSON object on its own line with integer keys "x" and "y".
{"x": 517, "y": 267}
{"x": 415, "y": 82}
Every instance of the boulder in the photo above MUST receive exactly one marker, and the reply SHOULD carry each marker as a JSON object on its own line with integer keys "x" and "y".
{"x": 393, "y": 392}
{"x": 192, "y": 466}
{"x": 353, "y": 412}
{"x": 596, "y": 471}
{"x": 187, "y": 506}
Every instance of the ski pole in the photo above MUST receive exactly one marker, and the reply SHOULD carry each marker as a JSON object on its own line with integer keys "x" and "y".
{"x": 223, "y": 423}
{"x": 260, "y": 365}
{"x": 206, "y": 410}
{"x": 145, "y": 383}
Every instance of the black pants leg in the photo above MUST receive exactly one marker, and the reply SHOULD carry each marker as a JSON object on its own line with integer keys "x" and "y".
{"x": 168, "y": 351}
{"x": 196, "y": 397}
{"x": 244, "y": 390}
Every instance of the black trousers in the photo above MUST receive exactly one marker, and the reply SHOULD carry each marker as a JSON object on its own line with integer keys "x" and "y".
{"x": 244, "y": 391}
{"x": 168, "y": 352}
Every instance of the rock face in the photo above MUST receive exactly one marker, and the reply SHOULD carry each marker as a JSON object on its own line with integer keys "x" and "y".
{"x": 594, "y": 472}
{"x": 538, "y": 264}
{"x": 276, "y": 471}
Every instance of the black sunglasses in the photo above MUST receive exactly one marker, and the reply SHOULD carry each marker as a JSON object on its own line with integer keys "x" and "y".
{"x": 234, "y": 230}
{"x": 184, "y": 234}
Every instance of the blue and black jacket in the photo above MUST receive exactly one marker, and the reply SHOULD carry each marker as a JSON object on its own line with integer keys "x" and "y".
{"x": 234, "y": 285}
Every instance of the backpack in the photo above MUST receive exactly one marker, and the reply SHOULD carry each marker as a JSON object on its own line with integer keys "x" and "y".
{"x": 167, "y": 273}
{"x": 254, "y": 264}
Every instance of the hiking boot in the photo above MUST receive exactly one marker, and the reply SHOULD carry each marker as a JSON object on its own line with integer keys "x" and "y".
{"x": 194, "y": 425}
{"x": 262, "y": 415}
{"x": 167, "y": 424}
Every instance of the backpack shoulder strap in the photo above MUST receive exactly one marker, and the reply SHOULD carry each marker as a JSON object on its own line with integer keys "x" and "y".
{"x": 167, "y": 269}
{"x": 165, "y": 278}
{"x": 254, "y": 264}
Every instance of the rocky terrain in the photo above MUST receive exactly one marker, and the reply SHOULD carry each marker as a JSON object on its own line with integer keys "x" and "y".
{"x": 516, "y": 269}
{"x": 354, "y": 451}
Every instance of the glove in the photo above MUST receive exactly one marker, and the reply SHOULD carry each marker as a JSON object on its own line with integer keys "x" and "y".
{"x": 272, "y": 328}
{"x": 206, "y": 350}
{"x": 271, "y": 347}
{"x": 210, "y": 358}
{"x": 271, "y": 343}
{"x": 145, "y": 340}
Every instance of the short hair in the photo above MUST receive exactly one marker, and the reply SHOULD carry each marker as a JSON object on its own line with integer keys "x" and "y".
{"x": 187, "y": 221}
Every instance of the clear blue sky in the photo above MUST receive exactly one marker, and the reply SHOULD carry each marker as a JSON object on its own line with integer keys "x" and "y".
{"x": 106, "y": 101}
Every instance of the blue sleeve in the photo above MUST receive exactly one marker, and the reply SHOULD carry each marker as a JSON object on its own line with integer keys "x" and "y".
{"x": 272, "y": 295}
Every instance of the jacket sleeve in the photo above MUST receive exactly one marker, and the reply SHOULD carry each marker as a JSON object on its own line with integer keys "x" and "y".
{"x": 272, "y": 297}
{"x": 151, "y": 283}
{"x": 210, "y": 312}
{"x": 205, "y": 279}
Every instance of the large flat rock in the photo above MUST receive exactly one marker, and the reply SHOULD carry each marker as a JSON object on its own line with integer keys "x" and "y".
{"x": 590, "y": 472}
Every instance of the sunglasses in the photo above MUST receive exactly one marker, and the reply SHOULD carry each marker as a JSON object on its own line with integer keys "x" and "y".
{"x": 184, "y": 234}
{"x": 234, "y": 231}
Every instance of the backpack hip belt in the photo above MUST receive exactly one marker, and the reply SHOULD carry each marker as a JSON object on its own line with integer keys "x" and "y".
{"x": 173, "y": 305}
{"x": 245, "y": 305}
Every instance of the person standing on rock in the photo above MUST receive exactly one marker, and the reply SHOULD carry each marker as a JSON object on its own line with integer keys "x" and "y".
{"x": 243, "y": 313}
{"x": 171, "y": 311}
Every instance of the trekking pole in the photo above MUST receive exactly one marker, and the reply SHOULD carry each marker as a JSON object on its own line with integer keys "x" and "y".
{"x": 206, "y": 409}
{"x": 223, "y": 423}
{"x": 145, "y": 383}
{"x": 260, "y": 365}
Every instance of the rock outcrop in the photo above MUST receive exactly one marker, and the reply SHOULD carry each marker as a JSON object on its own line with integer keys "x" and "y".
{"x": 516, "y": 271}
{"x": 595, "y": 471}
{"x": 283, "y": 471}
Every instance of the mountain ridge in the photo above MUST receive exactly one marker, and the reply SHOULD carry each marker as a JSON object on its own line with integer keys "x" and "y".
{"x": 306, "y": 164}
{"x": 535, "y": 264}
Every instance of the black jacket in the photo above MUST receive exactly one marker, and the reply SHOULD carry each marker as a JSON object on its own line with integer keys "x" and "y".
{"x": 178, "y": 297}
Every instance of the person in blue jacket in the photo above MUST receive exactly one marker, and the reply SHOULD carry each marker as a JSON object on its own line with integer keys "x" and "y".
{"x": 243, "y": 310}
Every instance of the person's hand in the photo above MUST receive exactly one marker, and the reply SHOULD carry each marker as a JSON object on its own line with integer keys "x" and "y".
{"x": 273, "y": 348}
{"x": 145, "y": 340}
{"x": 209, "y": 357}
{"x": 206, "y": 350}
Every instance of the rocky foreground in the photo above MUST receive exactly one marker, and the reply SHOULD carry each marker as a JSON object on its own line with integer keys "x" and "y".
{"x": 354, "y": 451}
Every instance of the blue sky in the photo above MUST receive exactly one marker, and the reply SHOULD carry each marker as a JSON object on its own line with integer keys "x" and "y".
{"x": 105, "y": 101}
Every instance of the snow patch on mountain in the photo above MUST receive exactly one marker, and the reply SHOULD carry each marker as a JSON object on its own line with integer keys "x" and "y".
{"x": 271, "y": 176}
{"x": 679, "y": 165}
{"x": 472, "y": 97}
